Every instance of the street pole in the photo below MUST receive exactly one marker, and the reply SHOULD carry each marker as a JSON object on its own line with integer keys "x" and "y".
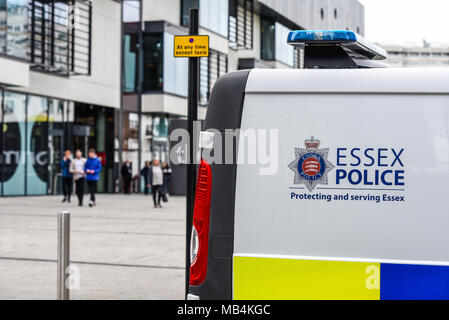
{"x": 120, "y": 113}
{"x": 192, "y": 115}
{"x": 63, "y": 254}
{"x": 140, "y": 92}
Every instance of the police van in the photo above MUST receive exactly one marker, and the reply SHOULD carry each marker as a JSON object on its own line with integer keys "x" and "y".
{"x": 354, "y": 203}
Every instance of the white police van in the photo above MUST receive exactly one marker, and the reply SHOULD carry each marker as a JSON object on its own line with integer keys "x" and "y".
{"x": 356, "y": 207}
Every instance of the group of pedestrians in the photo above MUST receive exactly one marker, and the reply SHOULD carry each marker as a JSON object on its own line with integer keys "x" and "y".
{"x": 82, "y": 171}
{"x": 87, "y": 171}
{"x": 157, "y": 178}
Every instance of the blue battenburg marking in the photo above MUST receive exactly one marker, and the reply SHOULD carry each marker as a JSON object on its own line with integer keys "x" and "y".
{"x": 414, "y": 282}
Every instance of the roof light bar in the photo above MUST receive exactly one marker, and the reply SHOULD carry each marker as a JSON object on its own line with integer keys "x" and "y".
{"x": 353, "y": 43}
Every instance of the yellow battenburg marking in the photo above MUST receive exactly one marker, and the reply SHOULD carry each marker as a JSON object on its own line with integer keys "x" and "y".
{"x": 273, "y": 278}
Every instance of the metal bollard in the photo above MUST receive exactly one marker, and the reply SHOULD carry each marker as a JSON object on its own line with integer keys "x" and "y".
{"x": 63, "y": 254}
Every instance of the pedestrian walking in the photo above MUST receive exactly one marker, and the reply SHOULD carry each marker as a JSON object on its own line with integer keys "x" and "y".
{"x": 77, "y": 170}
{"x": 166, "y": 171}
{"x": 92, "y": 169}
{"x": 156, "y": 182}
{"x": 127, "y": 176}
{"x": 67, "y": 176}
{"x": 145, "y": 173}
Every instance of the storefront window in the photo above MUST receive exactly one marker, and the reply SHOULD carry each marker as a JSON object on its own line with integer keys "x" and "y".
{"x": 146, "y": 136}
{"x": 14, "y": 143}
{"x": 160, "y": 128}
{"x": 160, "y": 138}
{"x": 34, "y": 133}
{"x": 17, "y": 28}
{"x": 94, "y": 129}
{"x": 37, "y": 141}
{"x": 131, "y": 140}
{"x": 56, "y": 142}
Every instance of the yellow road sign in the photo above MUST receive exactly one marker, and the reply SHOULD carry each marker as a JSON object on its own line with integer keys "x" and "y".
{"x": 191, "y": 46}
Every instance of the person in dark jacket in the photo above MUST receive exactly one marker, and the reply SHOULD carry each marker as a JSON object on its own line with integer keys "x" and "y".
{"x": 67, "y": 176}
{"x": 127, "y": 173}
{"x": 166, "y": 170}
{"x": 92, "y": 169}
{"x": 145, "y": 174}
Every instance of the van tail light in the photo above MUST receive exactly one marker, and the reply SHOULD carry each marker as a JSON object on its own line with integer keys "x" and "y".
{"x": 200, "y": 229}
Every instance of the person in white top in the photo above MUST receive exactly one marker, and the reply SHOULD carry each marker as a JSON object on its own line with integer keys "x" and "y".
{"x": 156, "y": 182}
{"x": 77, "y": 169}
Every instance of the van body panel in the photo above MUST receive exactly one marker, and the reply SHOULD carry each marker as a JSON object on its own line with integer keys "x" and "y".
{"x": 377, "y": 142}
{"x": 269, "y": 221}
{"x": 341, "y": 219}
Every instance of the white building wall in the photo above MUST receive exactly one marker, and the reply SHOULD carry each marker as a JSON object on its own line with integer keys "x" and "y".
{"x": 14, "y": 72}
{"x": 417, "y": 57}
{"x": 307, "y": 13}
{"x": 167, "y": 10}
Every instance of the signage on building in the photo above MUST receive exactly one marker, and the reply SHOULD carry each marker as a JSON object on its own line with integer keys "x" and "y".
{"x": 191, "y": 46}
{"x": 81, "y": 131}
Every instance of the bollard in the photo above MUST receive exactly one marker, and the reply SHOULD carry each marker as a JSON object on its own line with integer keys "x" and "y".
{"x": 63, "y": 254}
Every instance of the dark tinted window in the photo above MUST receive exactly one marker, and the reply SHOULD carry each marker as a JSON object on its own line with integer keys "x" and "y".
{"x": 268, "y": 40}
{"x": 153, "y": 62}
{"x": 186, "y": 5}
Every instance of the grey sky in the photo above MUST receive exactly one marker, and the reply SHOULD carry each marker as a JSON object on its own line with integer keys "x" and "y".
{"x": 407, "y": 21}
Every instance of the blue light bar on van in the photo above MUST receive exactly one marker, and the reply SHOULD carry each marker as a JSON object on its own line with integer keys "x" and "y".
{"x": 347, "y": 39}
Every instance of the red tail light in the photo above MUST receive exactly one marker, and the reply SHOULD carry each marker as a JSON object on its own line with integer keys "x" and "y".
{"x": 200, "y": 230}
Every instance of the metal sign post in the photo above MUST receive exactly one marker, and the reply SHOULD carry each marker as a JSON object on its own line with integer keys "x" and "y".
{"x": 192, "y": 115}
{"x": 192, "y": 46}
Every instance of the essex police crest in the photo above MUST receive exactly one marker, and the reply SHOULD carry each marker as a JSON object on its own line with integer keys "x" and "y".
{"x": 311, "y": 165}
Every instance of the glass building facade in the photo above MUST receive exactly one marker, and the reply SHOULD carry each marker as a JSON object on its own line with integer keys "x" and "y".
{"x": 14, "y": 27}
{"x": 24, "y": 152}
{"x": 34, "y": 133}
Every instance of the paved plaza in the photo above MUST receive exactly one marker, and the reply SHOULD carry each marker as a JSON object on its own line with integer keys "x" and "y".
{"x": 124, "y": 248}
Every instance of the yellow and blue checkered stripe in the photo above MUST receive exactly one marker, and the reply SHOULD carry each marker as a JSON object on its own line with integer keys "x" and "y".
{"x": 280, "y": 278}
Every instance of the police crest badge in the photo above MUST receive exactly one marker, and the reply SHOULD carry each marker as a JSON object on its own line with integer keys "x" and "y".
{"x": 311, "y": 165}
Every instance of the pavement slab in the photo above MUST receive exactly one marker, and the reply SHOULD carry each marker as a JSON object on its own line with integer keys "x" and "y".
{"x": 123, "y": 248}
